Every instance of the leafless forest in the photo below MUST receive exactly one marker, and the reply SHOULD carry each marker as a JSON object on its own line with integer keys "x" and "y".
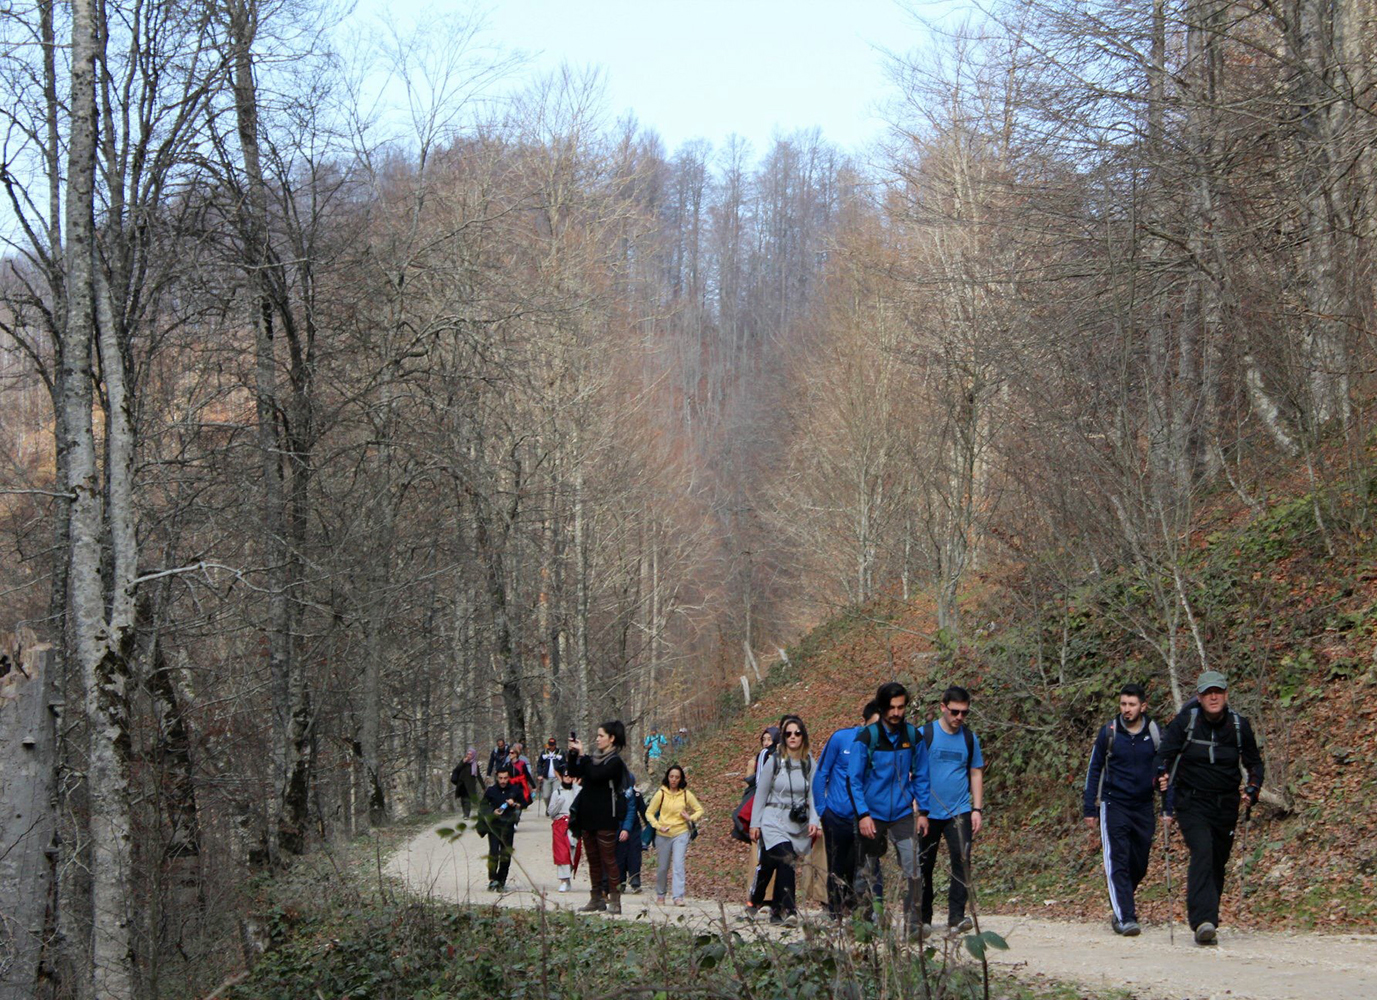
{"x": 336, "y": 440}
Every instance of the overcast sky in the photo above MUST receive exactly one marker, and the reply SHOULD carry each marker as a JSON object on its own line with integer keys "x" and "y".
{"x": 710, "y": 68}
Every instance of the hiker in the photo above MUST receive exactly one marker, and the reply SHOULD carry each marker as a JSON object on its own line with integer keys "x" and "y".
{"x": 769, "y": 740}
{"x": 955, "y": 793}
{"x": 654, "y": 746}
{"x": 602, "y": 811}
{"x": 549, "y": 765}
{"x": 832, "y": 791}
{"x": 887, "y": 773}
{"x": 784, "y": 821}
{"x": 561, "y": 841}
{"x": 467, "y": 782}
{"x": 1118, "y": 800}
{"x": 521, "y": 773}
{"x": 631, "y": 850}
{"x": 673, "y": 813}
{"x": 501, "y": 805}
{"x": 498, "y": 757}
{"x": 1205, "y": 751}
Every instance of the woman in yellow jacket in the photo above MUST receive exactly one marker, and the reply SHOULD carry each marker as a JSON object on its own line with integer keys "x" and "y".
{"x": 670, "y": 812}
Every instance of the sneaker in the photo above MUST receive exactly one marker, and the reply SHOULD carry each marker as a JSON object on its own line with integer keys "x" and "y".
{"x": 1205, "y": 933}
{"x": 776, "y": 918}
{"x": 678, "y": 900}
{"x": 751, "y": 911}
{"x": 1130, "y": 928}
{"x": 791, "y": 920}
{"x": 965, "y": 924}
{"x": 492, "y": 886}
{"x": 635, "y": 890}
{"x": 564, "y": 885}
{"x": 660, "y": 900}
{"x": 1114, "y": 923}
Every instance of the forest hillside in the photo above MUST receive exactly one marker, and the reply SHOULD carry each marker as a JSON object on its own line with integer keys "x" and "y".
{"x": 1288, "y": 611}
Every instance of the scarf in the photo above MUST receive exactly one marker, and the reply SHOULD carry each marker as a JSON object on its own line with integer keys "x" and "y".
{"x": 602, "y": 756}
{"x": 471, "y": 759}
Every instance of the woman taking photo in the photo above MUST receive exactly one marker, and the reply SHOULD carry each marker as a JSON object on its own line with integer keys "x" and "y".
{"x": 784, "y": 822}
{"x": 602, "y": 811}
{"x": 671, "y": 811}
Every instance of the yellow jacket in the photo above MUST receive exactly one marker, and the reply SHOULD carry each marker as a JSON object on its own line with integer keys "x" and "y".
{"x": 666, "y": 809}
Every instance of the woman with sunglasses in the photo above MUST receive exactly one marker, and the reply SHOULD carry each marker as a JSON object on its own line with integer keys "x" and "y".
{"x": 785, "y": 820}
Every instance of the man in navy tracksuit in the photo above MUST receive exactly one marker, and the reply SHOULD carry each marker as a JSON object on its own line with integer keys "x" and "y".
{"x": 888, "y": 773}
{"x": 1118, "y": 798}
{"x": 833, "y": 794}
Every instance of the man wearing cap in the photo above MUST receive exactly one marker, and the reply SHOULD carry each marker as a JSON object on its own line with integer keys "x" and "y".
{"x": 1205, "y": 752}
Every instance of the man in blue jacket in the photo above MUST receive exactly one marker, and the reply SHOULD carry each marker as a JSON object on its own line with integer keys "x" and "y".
{"x": 888, "y": 773}
{"x": 1118, "y": 799}
{"x": 832, "y": 792}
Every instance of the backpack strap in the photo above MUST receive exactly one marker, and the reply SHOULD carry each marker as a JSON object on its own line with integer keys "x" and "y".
{"x": 1108, "y": 752}
{"x": 1155, "y": 733}
{"x": 1190, "y": 729}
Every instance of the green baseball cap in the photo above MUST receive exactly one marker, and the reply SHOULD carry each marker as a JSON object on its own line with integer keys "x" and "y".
{"x": 1211, "y": 679}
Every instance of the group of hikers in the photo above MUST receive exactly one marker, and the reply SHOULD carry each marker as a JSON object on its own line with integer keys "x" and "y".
{"x": 881, "y": 783}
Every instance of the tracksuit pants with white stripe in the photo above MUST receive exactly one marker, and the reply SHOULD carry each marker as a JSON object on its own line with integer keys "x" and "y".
{"x": 1126, "y": 834}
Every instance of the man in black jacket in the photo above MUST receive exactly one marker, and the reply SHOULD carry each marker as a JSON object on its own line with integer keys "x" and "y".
{"x": 498, "y": 812}
{"x": 1203, "y": 752}
{"x": 1118, "y": 801}
{"x": 498, "y": 757}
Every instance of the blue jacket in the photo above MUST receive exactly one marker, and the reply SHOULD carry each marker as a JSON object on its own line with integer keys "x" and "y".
{"x": 831, "y": 782}
{"x": 885, "y": 784}
{"x": 1128, "y": 782}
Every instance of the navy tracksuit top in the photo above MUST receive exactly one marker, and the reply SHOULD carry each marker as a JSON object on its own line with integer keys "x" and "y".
{"x": 1128, "y": 782}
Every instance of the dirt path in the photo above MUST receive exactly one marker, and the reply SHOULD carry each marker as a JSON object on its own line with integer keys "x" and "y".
{"x": 1244, "y": 966}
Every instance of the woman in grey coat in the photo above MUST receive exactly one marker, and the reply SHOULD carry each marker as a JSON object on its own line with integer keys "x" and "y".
{"x": 784, "y": 820}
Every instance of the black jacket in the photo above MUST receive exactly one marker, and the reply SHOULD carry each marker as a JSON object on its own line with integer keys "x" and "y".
{"x": 1217, "y": 756}
{"x": 602, "y": 803}
{"x": 495, "y": 799}
{"x": 496, "y": 759}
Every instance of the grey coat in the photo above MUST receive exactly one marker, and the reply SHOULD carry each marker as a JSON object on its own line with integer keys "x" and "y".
{"x": 778, "y": 789}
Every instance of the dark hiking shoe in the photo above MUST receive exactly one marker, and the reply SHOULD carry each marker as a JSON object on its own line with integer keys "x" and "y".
{"x": 1130, "y": 928}
{"x": 1205, "y": 933}
{"x": 776, "y": 919}
{"x": 965, "y": 924}
{"x": 492, "y": 886}
{"x": 595, "y": 903}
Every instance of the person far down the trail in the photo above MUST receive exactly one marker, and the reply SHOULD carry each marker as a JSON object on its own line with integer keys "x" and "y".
{"x": 1118, "y": 800}
{"x": 832, "y": 792}
{"x": 1205, "y": 751}
{"x": 888, "y": 778}
{"x": 497, "y": 814}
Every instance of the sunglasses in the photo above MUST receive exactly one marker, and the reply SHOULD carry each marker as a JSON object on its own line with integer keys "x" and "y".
{"x": 958, "y": 712}
{"x": 793, "y": 732}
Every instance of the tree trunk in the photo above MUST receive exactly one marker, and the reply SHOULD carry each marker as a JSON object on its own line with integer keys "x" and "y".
{"x": 28, "y": 813}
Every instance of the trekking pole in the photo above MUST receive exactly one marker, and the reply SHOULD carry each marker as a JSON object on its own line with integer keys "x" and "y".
{"x": 1243, "y": 875}
{"x": 1171, "y": 896}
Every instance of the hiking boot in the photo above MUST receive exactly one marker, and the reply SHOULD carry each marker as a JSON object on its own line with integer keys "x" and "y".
{"x": 962, "y": 926}
{"x": 1130, "y": 928}
{"x": 776, "y": 919}
{"x": 751, "y": 911}
{"x": 614, "y": 902}
{"x": 595, "y": 903}
{"x": 1205, "y": 933}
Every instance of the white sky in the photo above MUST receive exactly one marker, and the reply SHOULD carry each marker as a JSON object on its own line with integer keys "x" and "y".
{"x": 709, "y": 68}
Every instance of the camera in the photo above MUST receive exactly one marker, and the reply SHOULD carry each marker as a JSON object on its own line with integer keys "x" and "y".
{"x": 798, "y": 814}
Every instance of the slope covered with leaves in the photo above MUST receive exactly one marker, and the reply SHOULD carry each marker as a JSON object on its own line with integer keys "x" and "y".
{"x": 1286, "y": 602}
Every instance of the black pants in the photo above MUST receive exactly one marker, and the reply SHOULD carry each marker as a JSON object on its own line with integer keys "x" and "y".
{"x": 464, "y": 804}
{"x": 839, "y": 838}
{"x": 1126, "y": 839}
{"x": 500, "y": 837}
{"x": 779, "y": 862}
{"x": 629, "y": 858}
{"x": 1207, "y": 823}
{"x": 956, "y": 830}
